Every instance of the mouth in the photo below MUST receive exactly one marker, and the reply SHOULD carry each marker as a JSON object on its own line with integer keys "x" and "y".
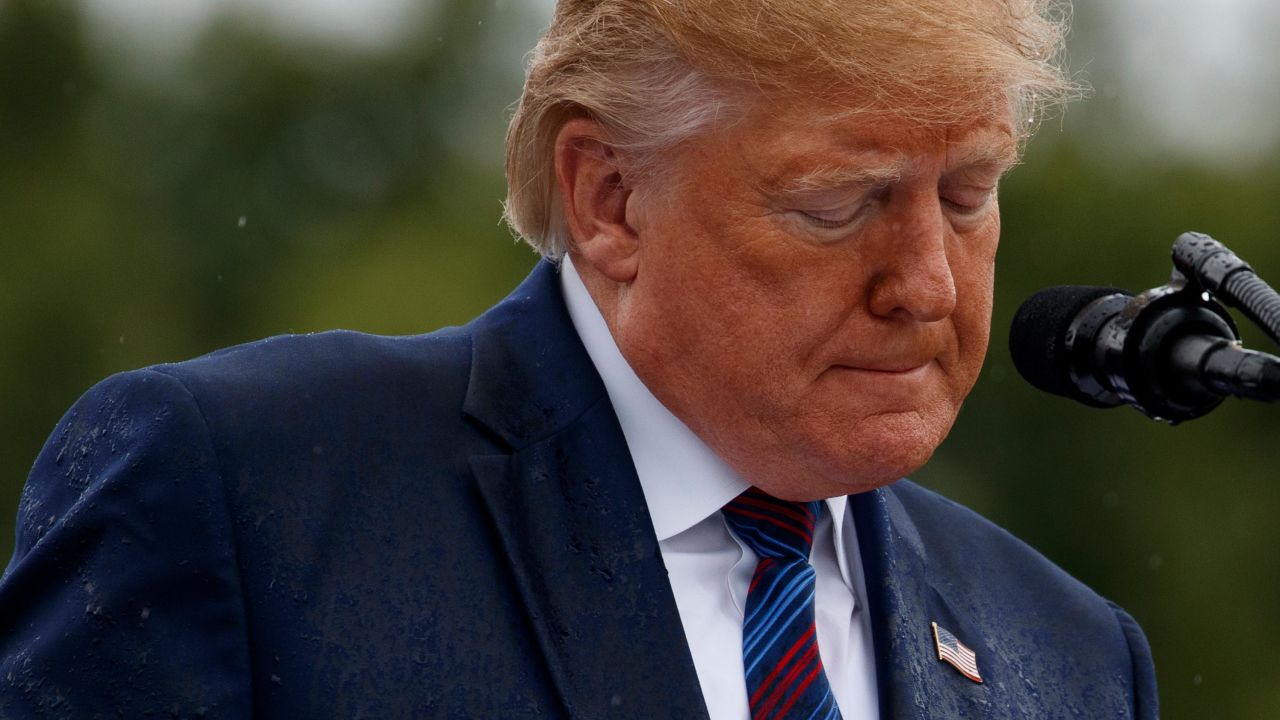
{"x": 889, "y": 369}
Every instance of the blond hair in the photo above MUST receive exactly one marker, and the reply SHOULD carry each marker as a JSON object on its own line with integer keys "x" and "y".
{"x": 655, "y": 73}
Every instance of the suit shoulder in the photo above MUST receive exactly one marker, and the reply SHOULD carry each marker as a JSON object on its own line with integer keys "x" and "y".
{"x": 956, "y": 536}
{"x": 997, "y": 575}
{"x": 275, "y": 398}
{"x": 1041, "y": 623}
{"x": 335, "y": 356}
{"x": 1000, "y": 577}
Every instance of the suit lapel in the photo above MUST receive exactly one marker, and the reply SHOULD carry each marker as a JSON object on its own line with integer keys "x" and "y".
{"x": 570, "y": 513}
{"x": 572, "y": 518}
{"x": 904, "y": 599}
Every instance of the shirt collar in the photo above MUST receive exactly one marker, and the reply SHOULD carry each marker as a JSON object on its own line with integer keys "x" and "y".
{"x": 840, "y": 524}
{"x": 684, "y": 482}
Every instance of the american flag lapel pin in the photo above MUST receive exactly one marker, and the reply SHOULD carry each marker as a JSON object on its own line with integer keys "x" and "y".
{"x": 954, "y": 652}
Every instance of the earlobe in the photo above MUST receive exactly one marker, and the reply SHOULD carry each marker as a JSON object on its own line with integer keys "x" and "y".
{"x": 593, "y": 185}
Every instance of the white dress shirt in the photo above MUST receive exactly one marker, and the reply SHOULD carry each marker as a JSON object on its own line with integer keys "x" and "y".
{"x": 685, "y": 484}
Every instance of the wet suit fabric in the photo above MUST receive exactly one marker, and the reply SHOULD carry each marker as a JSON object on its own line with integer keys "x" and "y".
{"x": 449, "y": 526}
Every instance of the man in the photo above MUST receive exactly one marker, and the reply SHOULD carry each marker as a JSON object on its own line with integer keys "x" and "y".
{"x": 770, "y": 231}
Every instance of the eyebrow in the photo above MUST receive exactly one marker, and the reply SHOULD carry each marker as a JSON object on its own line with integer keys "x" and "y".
{"x": 970, "y": 153}
{"x": 1001, "y": 154}
{"x": 836, "y": 176}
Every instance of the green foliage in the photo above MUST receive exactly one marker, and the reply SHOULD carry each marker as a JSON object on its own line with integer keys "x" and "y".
{"x": 261, "y": 187}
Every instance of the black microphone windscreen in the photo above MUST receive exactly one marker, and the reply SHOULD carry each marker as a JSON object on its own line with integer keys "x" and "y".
{"x": 1038, "y": 334}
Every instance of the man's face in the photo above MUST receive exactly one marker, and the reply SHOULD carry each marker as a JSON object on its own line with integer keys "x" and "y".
{"x": 813, "y": 297}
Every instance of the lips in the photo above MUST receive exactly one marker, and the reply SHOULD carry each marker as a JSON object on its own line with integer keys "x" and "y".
{"x": 895, "y": 353}
{"x": 888, "y": 367}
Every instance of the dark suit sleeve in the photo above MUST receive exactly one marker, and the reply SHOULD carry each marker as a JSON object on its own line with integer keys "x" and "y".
{"x": 1145, "y": 700}
{"x": 122, "y": 598}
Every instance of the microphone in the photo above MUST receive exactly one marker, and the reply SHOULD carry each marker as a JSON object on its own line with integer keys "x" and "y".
{"x": 1171, "y": 352}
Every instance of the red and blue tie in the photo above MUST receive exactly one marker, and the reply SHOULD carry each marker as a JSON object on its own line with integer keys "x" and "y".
{"x": 785, "y": 679}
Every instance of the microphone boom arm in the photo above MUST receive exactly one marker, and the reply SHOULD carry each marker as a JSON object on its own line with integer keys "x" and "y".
{"x": 1211, "y": 265}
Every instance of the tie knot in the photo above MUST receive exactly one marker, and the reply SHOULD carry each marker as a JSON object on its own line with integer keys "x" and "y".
{"x": 771, "y": 527}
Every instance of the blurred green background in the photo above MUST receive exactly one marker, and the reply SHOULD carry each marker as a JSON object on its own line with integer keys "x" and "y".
{"x": 180, "y": 176}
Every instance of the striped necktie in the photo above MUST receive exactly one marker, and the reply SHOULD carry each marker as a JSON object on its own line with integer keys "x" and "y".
{"x": 785, "y": 678}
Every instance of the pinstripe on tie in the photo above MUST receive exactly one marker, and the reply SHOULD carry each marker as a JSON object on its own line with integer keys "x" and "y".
{"x": 785, "y": 679}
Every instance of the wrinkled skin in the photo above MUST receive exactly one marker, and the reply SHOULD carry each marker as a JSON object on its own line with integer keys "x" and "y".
{"x": 812, "y": 297}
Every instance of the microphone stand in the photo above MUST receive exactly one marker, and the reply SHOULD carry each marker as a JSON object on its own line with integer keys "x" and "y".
{"x": 1212, "y": 266}
{"x": 1186, "y": 331}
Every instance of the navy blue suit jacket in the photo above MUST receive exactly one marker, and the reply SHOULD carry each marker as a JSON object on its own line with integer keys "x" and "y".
{"x": 449, "y": 525}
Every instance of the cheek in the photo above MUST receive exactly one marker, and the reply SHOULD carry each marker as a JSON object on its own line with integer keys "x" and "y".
{"x": 973, "y": 262}
{"x": 975, "y": 289}
{"x": 746, "y": 293}
{"x": 975, "y": 284}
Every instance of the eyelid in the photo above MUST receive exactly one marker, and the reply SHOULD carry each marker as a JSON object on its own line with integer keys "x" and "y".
{"x": 964, "y": 206}
{"x": 828, "y": 224}
{"x": 980, "y": 177}
{"x": 846, "y": 213}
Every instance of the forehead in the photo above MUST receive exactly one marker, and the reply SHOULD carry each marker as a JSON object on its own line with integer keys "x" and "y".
{"x": 790, "y": 144}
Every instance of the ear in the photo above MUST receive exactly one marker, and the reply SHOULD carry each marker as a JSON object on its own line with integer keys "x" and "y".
{"x": 594, "y": 189}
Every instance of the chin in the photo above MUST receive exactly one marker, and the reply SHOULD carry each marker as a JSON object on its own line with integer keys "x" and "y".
{"x": 830, "y": 472}
{"x": 878, "y": 453}
{"x": 825, "y": 460}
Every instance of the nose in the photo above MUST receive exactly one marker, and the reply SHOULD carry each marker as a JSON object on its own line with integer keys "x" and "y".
{"x": 915, "y": 281}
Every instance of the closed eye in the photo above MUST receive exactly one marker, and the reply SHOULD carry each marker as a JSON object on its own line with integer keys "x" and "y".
{"x": 830, "y": 222}
{"x": 967, "y": 202}
{"x": 844, "y": 215}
